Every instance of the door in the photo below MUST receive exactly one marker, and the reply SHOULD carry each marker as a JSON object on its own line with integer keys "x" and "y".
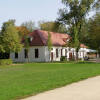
{"x": 70, "y": 56}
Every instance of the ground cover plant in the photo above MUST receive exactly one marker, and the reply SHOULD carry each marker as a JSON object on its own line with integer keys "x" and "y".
{"x": 22, "y": 80}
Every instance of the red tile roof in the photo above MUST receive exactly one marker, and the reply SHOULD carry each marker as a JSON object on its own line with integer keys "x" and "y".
{"x": 40, "y": 38}
{"x": 83, "y": 46}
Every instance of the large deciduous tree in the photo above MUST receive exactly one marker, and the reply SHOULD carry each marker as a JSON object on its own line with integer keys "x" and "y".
{"x": 74, "y": 15}
{"x": 22, "y": 31}
{"x": 92, "y": 39}
{"x": 9, "y": 38}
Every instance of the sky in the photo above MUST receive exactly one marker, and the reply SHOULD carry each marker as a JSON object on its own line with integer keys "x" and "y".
{"x": 26, "y": 10}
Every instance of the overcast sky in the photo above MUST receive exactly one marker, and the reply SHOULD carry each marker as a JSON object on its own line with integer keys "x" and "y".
{"x": 25, "y": 10}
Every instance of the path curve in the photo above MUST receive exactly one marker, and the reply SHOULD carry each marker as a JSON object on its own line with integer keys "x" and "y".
{"x": 84, "y": 90}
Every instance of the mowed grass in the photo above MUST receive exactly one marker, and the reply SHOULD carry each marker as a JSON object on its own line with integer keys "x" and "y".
{"x": 19, "y": 81}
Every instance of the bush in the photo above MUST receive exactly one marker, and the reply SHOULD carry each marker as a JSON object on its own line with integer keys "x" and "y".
{"x": 5, "y": 62}
{"x": 63, "y": 58}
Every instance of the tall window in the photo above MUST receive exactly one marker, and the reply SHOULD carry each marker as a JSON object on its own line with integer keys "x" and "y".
{"x": 56, "y": 53}
{"x": 36, "y": 53}
{"x": 16, "y": 55}
{"x": 26, "y": 53}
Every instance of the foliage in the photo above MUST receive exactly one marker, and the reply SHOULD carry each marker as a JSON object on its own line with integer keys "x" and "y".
{"x": 26, "y": 42}
{"x": 74, "y": 15}
{"x": 4, "y": 55}
{"x": 93, "y": 37}
{"x": 63, "y": 58}
{"x": 30, "y": 25}
{"x": 23, "y": 80}
{"x": 1, "y": 46}
{"x": 49, "y": 41}
{"x": 7, "y": 24}
{"x": 9, "y": 39}
{"x": 84, "y": 34}
{"x": 22, "y": 31}
{"x": 53, "y": 27}
{"x": 5, "y": 61}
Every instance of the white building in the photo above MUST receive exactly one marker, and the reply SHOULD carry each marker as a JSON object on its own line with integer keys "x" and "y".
{"x": 38, "y": 51}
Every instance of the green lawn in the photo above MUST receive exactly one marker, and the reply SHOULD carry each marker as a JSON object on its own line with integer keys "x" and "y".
{"x": 29, "y": 79}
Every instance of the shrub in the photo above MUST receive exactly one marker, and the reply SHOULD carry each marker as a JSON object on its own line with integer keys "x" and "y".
{"x": 63, "y": 58}
{"x": 5, "y": 62}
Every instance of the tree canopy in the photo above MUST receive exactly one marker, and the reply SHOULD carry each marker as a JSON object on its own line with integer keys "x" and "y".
{"x": 74, "y": 15}
{"x": 30, "y": 25}
{"x": 9, "y": 38}
{"x": 52, "y": 26}
{"x": 49, "y": 41}
{"x": 22, "y": 31}
{"x": 92, "y": 39}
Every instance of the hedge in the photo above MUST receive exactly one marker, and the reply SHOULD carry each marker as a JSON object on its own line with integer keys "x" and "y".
{"x": 63, "y": 58}
{"x": 5, "y": 61}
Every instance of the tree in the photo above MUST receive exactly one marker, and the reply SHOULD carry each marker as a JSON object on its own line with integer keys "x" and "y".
{"x": 93, "y": 37}
{"x": 30, "y": 25}
{"x": 22, "y": 31}
{"x": 49, "y": 43}
{"x": 53, "y": 27}
{"x": 9, "y": 39}
{"x": 27, "y": 40}
{"x": 74, "y": 15}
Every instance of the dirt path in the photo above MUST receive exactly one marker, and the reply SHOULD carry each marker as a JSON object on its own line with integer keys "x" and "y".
{"x": 84, "y": 90}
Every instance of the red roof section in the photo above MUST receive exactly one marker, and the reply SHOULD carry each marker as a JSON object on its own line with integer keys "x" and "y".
{"x": 83, "y": 46}
{"x": 40, "y": 38}
{"x": 36, "y": 41}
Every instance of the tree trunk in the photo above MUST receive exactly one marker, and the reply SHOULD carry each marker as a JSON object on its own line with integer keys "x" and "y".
{"x": 76, "y": 55}
{"x": 50, "y": 56}
{"x": 77, "y": 50}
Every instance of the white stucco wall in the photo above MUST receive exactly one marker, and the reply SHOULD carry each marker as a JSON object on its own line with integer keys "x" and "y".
{"x": 44, "y": 54}
{"x": 82, "y": 52}
{"x": 31, "y": 55}
{"x": 48, "y": 56}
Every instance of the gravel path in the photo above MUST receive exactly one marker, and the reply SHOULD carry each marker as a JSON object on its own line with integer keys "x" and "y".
{"x": 84, "y": 90}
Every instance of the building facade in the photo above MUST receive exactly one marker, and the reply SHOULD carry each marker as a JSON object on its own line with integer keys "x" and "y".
{"x": 38, "y": 50}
